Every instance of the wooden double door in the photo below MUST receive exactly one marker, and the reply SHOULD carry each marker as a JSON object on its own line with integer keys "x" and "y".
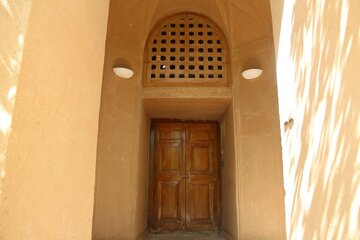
{"x": 185, "y": 186}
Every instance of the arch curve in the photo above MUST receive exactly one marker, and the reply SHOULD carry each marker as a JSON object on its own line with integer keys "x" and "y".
{"x": 186, "y": 49}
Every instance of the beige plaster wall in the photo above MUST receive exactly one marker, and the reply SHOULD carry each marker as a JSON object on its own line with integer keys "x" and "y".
{"x": 229, "y": 180}
{"x": 205, "y": 103}
{"x": 141, "y": 177}
{"x": 14, "y": 16}
{"x": 318, "y": 55}
{"x": 50, "y": 169}
{"x": 257, "y": 134}
{"x": 259, "y": 155}
{"x": 114, "y": 195}
{"x": 122, "y": 165}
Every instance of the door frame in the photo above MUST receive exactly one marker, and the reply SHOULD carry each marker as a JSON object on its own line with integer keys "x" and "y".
{"x": 152, "y": 159}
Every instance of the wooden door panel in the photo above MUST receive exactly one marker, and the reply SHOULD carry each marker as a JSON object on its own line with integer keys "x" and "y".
{"x": 202, "y": 168}
{"x": 200, "y": 207}
{"x": 201, "y": 159}
{"x": 169, "y": 205}
{"x": 170, "y": 157}
{"x": 169, "y": 185}
{"x": 170, "y": 133}
{"x": 186, "y": 193}
{"x": 203, "y": 133}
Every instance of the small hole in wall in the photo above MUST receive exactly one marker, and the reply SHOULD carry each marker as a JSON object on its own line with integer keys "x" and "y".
{"x": 288, "y": 125}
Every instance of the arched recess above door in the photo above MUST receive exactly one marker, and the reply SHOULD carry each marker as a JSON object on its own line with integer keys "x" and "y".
{"x": 186, "y": 49}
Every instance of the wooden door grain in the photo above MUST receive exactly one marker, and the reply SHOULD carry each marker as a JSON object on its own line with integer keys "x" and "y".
{"x": 186, "y": 177}
{"x": 202, "y": 184}
{"x": 169, "y": 185}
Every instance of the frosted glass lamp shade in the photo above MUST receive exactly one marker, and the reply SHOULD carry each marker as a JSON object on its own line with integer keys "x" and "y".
{"x": 123, "y": 72}
{"x": 252, "y": 73}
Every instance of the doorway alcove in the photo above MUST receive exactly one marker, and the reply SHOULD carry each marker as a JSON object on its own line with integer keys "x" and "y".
{"x": 252, "y": 178}
{"x": 186, "y": 76}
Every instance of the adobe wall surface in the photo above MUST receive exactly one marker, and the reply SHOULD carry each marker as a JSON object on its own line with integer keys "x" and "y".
{"x": 14, "y": 17}
{"x": 229, "y": 177}
{"x": 50, "y": 168}
{"x": 318, "y": 55}
{"x": 256, "y": 126}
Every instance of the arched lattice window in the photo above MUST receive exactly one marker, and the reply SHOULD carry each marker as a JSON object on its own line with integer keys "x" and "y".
{"x": 186, "y": 50}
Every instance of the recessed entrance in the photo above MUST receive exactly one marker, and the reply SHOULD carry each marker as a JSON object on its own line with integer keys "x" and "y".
{"x": 185, "y": 177}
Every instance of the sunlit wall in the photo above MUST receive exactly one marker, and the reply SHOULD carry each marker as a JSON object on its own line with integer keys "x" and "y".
{"x": 14, "y": 15}
{"x": 318, "y": 56}
{"x": 48, "y": 188}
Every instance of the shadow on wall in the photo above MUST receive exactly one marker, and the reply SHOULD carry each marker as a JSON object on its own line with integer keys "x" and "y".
{"x": 319, "y": 48}
{"x": 14, "y": 16}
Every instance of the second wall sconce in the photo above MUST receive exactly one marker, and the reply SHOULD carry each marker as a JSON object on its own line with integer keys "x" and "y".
{"x": 123, "y": 72}
{"x": 252, "y": 73}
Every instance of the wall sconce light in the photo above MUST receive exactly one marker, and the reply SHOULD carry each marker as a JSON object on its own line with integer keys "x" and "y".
{"x": 252, "y": 73}
{"x": 123, "y": 72}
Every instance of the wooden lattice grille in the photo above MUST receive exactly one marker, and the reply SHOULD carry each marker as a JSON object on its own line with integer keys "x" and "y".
{"x": 186, "y": 50}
